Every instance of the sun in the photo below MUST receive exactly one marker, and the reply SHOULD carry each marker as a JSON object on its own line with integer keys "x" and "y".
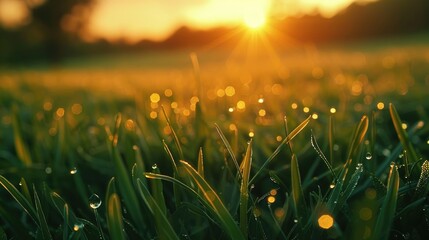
{"x": 254, "y": 20}
{"x": 254, "y": 15}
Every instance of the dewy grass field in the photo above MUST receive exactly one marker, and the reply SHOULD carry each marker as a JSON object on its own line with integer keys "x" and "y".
{"x": 333, "y": 146}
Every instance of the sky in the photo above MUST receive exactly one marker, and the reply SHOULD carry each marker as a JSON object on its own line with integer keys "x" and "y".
{"x": 134, "y": 20}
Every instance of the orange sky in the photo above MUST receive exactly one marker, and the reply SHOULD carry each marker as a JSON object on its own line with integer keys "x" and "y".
{"x": 157, "y": 19}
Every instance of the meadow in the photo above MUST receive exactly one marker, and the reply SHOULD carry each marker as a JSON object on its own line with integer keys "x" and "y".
{"x": 306, "y": 144}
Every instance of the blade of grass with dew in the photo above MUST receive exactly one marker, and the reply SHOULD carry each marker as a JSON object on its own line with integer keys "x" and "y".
{"x": 114, "y": 217}
{"x": 291, "y": 135}
{"x": 24, "y": 189}
{"x": 388, "y": 206}
{"x": 331, "y": 138}
{"x": 213, "y": 200}
{"x": 244, "y": 189}
{"x": 321, "y": 155}
{"x": 358, "y": 136}
{"x": 201, "y": 162}
{"x": 228, "y": 147}
{"x": 422, "y": 187}
{"x": 402, "y": 134}
{"x": 157, "y": 193}
{"x": 125, "y": 186}
{"x": 163, "y": 226}
{"x": 19, "y": 198}
{"x": 337, "y": 188}
{"x": 296, "y": 188}
{"x": 351, "y": 185}
{"x": 65, "y": 211}
{"x": 41, "y": 216}
{"x": 176, "y": 139}
{"x": 21, "y": 147}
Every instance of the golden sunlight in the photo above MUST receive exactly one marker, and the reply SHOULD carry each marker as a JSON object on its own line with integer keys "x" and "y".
{"x": 254, "y": 14}
{"x": 255, "y": 22}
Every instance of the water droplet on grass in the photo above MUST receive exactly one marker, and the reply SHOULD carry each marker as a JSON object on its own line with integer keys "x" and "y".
{"x": 332, "y": 185}
{"x": 78, "y": 226}
{"x": 73, "y": 171}
{"x": 295, "y": 220}
{"x": 154, "y": 166}
{"x": 359, "y": 167}
{"x": 48, "y": 170}
{"x": 368, "y": 156}
{"x": 94, "y": 201}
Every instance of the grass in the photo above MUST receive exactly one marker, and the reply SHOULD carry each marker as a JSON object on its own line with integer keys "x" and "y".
{"x": 209, "y": 155}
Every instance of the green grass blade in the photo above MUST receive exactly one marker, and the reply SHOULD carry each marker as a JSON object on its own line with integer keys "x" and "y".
{"x": 402, "y": 135}
{"x": 66, "y": 214}
{"x": 289, "y": 137}
{"x": 20, "y": 145}
{"x": 422, "y": 187}
{"x": 228, "y": 147}
{"x": 321, "y": 155}
{"x": 173, "y": 162}
{"x": 244, "y": 189}
{"x": 24, "y": 189}
{"x": 213, "y": 200}
{"x": 337, "y": 188}
{"x": 163, "y": 226}
{"x": 201, "y": 162}
{"x": 41, "y": 217}
{"x": 351, "y": 185}
{"x": 157, "y": 192}
{"x": 65, "y": 211}
{"x": 138, "y": 168}
{"x": 124, "y": 182}
{"x": 176, "y": 191}
{"x": 20, "y": 199}
{"x": 388, "y": 207}
{"x": 297, "y": 193}
{"x": 358, "y": 136}
{"x": 114, "y": 217}
{"x": 176, "y": 139}
{"x": 169, "y": 179}
{"x": 331, "y": 138}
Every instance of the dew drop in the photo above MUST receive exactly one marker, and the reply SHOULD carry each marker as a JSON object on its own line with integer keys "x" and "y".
{"x": 154, "y": 166}
{"x": 73, "y": 171}
{"x": 368, "y": 156}
{"x": 94, "y": 201}
{"x": 252, "y": 186}
{"x": 48, "y": 170}
{"x": 295, "y": 220}
{"x": 332, "y": 185}
{"x": 359, "y": 167}
{"x": 78, "y": 226}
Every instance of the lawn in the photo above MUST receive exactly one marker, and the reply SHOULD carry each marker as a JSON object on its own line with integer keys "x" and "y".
{"x": 306, "y": 143}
